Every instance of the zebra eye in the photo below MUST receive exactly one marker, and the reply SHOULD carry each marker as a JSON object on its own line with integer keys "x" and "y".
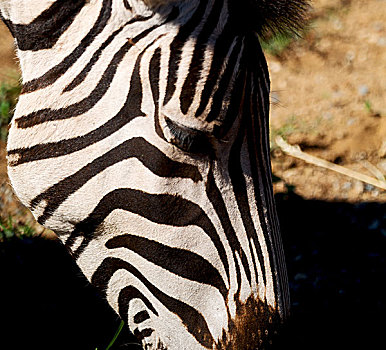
{"x": 187, "y": 139}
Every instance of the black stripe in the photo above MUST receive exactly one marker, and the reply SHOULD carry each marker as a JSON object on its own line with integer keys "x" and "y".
{"x": 267, "y": 198}
{"x": 87, "y": 103}
{"x": 126, "y": 295}
{"x": 221, "y": 48}
{"x": 56, "y": 72}
{"x": 86, "y": 241}
{"x": 189, "y": 86}
{"x": 176, "y": 48}
{"x": 70, "y": 242}
{"x": 154, "y": 74}
{"x": 138, "y": 148}
{"x": 83, "y": 74}
{"x": 240, "y": 190}
{"x": 81, "y": 107}
{"x": 256, "y": 145}
{"x": 45, "y": 30}
{"x": 225, "y": 83}
{"x": 191, "y": 318}
{"x": 130, "y": 110}
{"x": 217, "y": 201}
{"x": 258, "y": 172}
{"x": 159, "y": 208}
{"x": 262, "y": 105}
{"x": 225, "y": 122}
{"x": 127, "y": 5}
{"x": 181, "y": 262}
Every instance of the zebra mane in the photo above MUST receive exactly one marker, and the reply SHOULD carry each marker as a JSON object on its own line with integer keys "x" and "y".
{"x": 265, "y": 17}
{"x": 270, "y": 17}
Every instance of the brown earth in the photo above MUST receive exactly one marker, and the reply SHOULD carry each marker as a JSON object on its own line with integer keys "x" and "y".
{"x": 329, "y": 97}
{"x": 7, "y": 53}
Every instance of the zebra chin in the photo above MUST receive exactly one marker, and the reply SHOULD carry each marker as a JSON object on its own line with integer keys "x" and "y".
{"x": 255, "y": 326}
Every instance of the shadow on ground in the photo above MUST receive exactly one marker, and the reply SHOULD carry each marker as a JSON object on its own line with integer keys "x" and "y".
{"x": 336, "y": 262}
{"x": 335, "y": 256}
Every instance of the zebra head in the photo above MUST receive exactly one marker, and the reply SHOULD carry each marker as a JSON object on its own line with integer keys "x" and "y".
{"x": 141, "y": 139}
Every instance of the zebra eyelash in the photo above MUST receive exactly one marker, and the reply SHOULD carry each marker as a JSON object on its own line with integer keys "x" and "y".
{"x": 189, "y": 140}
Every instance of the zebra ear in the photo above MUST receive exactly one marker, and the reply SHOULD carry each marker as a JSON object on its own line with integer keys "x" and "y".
{"x": 270, "y": 17}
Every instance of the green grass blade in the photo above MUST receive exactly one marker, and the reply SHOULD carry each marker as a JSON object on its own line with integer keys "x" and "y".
{"x": 116, "y": 335}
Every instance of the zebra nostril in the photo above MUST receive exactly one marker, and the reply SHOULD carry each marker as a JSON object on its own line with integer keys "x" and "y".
{"x": 147, "y": 332}
{"x": 141, "y": 316}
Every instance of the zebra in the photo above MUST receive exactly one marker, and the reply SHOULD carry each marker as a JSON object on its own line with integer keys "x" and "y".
{"x": 141, "y": 139}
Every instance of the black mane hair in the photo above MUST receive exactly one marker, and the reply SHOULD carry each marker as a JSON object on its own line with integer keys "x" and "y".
{"x": 270, "y": 17}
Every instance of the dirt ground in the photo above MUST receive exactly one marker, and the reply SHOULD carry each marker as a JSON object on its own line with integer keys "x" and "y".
{"x": 329, "y": 94}
{"x": 328, "y": 97}
{"x": 7, "y": 54}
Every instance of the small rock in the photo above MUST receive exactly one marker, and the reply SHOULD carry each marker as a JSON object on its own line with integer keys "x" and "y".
{"x": 300, "y": 276}
{"x": 275, "y": 67}
{"x": 363, "y": 90}
{"x": 360, "y": 156}
{"x": 337, "y": 24}
{"x": 374, "y": 225}
{"x": 351, "y": 121}
{"x": 378, "y": 26}
{"x": 327, "y": 116}
{"x": 369, "y": 188}
{"x": 350, "y": 57}
{"x": 381, "y": 42}
{"x": 340, "y": 134}
{"x": 358, "y": 187}
{"x": 324, "y": 44}
{"x": 346, "y": 186}
{"x": 375, "y": 193}
{"x": 372, "y": 38}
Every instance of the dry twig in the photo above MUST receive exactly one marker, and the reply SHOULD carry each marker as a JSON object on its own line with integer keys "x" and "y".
{"x": 296, "y": 152}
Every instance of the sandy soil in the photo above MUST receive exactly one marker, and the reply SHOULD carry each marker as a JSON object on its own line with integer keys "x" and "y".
{"x": 7, "y": 55}
{"x": 329, "y": 97}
